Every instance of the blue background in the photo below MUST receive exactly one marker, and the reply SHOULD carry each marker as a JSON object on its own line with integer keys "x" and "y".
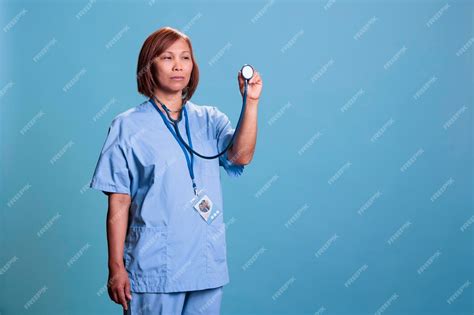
{"x": 344, "y": 197}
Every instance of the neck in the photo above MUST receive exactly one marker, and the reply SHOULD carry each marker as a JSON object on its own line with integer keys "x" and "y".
{"x": 173, "y": 101}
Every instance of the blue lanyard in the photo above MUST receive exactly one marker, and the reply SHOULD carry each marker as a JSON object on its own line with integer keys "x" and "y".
{"x": 189, "y": 161}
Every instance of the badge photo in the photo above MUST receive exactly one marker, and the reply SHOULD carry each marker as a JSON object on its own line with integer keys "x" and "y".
{"x": 205, "y": 207}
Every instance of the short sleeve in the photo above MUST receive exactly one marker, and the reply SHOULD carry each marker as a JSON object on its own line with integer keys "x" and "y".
{"x": 111, "y": 174}
{"x": 224, "y": 132}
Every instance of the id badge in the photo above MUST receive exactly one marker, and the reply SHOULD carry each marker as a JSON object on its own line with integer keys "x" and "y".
{"x": 205, "y": 207}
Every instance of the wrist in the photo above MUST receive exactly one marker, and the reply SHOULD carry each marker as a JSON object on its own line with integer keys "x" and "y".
{"x": 252, "y": 101}
{"x": 115, "y": 265}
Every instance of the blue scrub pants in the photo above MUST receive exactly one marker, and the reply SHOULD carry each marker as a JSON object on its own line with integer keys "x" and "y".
{"x": 206, "y": 301}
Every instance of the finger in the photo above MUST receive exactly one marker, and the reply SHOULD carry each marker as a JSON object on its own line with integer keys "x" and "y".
{"x": 255, "y": 78}
{"x": 113, "y": 296}
{"x": 121, "y": 297}
{"x": 127, "y": 291}
{"x": 259, "y": 78}
{"x": 240, "y": 78}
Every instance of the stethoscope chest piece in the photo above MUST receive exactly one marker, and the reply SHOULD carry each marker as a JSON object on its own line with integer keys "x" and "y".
{"x": 247, "y": 72}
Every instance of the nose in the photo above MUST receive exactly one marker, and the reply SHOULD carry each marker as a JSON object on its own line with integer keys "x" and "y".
{"x": 177, "y": 65}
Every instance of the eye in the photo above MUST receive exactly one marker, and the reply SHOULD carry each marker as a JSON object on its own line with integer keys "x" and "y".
{"x": 187, "y": 58}
{"x": 166, "y": 57}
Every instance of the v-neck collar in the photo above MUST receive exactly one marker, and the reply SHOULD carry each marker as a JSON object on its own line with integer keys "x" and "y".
{"x": 166, "y": 116}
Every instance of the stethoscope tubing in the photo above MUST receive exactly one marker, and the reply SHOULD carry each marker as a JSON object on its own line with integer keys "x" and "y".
{"x": 175, "y": 125}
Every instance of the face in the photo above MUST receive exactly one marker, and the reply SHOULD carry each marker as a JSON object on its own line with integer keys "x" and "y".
{"x": 174, "y": 67}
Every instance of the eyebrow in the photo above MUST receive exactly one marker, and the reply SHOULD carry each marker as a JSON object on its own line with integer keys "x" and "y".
{"x": 184, "y": 51}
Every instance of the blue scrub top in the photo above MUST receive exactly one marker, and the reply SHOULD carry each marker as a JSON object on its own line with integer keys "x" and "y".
{"x": 169, "y": 247}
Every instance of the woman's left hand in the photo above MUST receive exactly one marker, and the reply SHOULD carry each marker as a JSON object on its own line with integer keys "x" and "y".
{"x": 254, "y": 87}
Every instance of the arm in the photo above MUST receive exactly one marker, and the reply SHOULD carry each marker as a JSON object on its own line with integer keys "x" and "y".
{"x": 117, "y": 220}
{"x": 243, "y": 148}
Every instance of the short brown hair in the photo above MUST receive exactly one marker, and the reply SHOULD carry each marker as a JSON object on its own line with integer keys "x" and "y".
{"x": 153, "y": 46}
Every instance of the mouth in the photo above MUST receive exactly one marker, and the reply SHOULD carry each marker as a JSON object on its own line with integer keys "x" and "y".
{"x": 177, "y": 78}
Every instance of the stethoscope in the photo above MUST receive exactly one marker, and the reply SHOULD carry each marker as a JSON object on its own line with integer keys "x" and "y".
{"x": 247, "y": 73}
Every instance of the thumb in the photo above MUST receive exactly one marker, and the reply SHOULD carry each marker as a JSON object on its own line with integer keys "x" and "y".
{"x": 240, "y": 79}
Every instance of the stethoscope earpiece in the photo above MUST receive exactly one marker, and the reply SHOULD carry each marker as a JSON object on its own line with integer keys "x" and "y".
{"x": 247, "y": 72}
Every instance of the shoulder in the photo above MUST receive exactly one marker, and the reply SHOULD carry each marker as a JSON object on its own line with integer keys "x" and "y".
{"x": 130, "y": 122}
{"x": 132, "y": 116}
{"x": 134, "y": 113}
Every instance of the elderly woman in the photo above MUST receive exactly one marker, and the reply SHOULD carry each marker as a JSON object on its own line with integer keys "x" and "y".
{"x": 166, "y": 255}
